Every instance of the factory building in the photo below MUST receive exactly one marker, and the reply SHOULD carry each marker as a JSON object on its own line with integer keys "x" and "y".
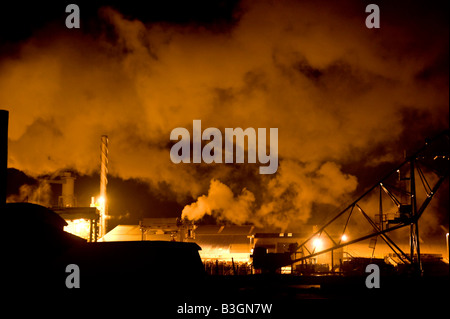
{"x": 229, "y": 249}
{"x": 222, "y": 246}
{"x": 83, "y": 222}
{"x": 89, "y": 223}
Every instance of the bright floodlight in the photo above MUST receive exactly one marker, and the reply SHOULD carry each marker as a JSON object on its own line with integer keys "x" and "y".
{"x": 317, "y": 243}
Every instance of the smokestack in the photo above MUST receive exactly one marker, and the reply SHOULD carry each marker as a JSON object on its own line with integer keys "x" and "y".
{"x": 103, "y": 183}
{"x": 68, "y": 193}
{"x": 4, "y": 118}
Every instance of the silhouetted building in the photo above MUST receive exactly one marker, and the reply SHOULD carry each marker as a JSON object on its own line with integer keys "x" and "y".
{"x": 38, "y": 250}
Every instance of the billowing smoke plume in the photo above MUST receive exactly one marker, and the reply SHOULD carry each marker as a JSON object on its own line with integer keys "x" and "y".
{"x": 287, "y": 198}
{"x": 221, "y": 201}
{"x": 337, "y": 92}
{"x": 40, "y": 193}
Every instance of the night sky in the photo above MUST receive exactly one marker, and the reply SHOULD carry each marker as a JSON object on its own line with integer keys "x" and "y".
{"x": 348, "y": 101}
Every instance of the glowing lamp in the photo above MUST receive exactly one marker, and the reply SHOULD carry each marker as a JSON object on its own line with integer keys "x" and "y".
{"x": 317, "y": 243}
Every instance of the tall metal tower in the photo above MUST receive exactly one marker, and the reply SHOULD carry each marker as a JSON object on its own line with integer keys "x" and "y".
{"x": 425, "y": 171}
{"x": 103, "y": 200}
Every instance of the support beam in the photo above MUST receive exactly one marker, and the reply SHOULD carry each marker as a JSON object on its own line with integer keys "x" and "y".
{"x": 385, "y": 238}
{"x": 414, "y": 228}
{"x": 350, "y": 242}
{"x": 412, "y": 220}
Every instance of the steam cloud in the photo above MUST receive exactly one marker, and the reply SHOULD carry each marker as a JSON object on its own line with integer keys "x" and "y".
{"x": 36, "y": 194}
{"x": 288, "y": 198}
{"x": 220, "y": 199}
{"x": 335, "y": 90}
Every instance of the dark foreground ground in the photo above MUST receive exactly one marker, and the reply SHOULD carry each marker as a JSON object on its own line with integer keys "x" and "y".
{"x": 281, "y": 296}
{"x": 151, "y": 279}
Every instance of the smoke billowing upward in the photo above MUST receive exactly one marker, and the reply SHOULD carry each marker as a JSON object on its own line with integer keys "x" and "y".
{"x": 287, "y": 198}
{"x": 36, "y": 194}
{"x": 335, "y": 90}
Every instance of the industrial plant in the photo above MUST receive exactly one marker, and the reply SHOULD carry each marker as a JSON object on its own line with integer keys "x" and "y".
{"x": 321, "y": 261}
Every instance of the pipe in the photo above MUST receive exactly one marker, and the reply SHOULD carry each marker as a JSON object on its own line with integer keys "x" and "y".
{"x": 4, "y": 118}
{"x": 103, "y": 183}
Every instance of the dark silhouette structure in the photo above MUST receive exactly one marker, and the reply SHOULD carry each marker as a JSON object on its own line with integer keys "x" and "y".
{"x": 34, "y": 239}
{"x": 38, "y": 250}
{"x": 4, "y": 117}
